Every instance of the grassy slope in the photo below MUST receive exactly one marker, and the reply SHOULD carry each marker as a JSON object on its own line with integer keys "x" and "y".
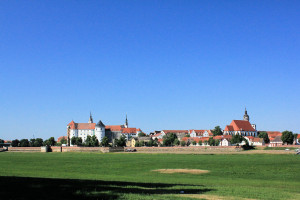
{"x": 248, "y": 176}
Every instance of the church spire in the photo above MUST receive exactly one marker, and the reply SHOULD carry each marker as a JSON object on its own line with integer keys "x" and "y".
{"x": 246, "y": 116}
{"x": 91, "y": 118}
{"x": 126, "y": 122}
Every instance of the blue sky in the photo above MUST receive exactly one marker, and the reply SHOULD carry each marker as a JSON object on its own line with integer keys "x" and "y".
{"x": 167, "y": 64}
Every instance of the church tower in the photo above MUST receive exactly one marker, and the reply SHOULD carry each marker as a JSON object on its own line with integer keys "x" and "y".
{"x": 246, "y": 116}
{"x": 91, "y": 118}
{"x": 126, "y": 122}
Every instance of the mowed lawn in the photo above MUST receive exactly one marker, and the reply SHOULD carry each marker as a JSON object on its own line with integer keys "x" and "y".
{"x": 130, "y": 176}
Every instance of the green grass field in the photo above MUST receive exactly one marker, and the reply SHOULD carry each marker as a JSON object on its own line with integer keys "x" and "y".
{"x": 129, "y": 176}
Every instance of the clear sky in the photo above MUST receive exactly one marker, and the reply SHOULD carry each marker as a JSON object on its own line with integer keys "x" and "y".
{"x": 167, "y": 64}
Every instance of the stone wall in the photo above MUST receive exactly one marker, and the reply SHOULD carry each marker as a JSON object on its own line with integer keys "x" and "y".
{"x": 27, "y": 149}
{"x": 191, "y": 149}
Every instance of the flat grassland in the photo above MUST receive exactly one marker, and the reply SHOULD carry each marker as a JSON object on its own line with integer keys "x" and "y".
{"x": 134, "y": 176}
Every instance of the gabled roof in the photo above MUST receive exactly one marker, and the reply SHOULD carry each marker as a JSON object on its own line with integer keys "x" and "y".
{"x": 156, "y": 135}
{"x": 201, "y": 132}
{"x": 228, "y": 128}
{"x": 256, "y": 139}
{"x": 100, "y": 124}
{"x": 241, "y": 125}
{"x": 272, "y": 134}
{"x": 221, "y": 137}
{"x": 276, "y": 139}
{"x": 129, "y": 130}
{"x": 82, "y": 126}
{"x": 114, "y": 127}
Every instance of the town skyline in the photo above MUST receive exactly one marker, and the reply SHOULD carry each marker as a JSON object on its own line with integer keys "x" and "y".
{"x": 168, "y": 65}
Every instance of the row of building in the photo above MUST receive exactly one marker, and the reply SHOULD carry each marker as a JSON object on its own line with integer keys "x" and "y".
{"x": 236, "y": 127}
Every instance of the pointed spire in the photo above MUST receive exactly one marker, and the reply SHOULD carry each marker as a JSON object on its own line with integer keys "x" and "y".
{"x": 91, "y": 118}
{"x": 126, "y": 122}
{"x": 246, "y": 116}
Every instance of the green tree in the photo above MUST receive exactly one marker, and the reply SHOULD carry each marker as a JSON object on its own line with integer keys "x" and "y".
{"x": 78, "y": 141}
{"x": 176, "y": 142}
{"x": 31, "y": 142}
{"x": 141, "y": 134}
{"x": 265, "y": 136}
{"x": 1, "y": 141}
{"x": 194, "y": 142}
{"x": 105, "y": 142}
{"x": 95, "y": 141}
{"x": 63, "y": 140}
{"x": 287, "y": 137}
{"x": 182, "y": 143}
{"x": 236, "y": 139}
{"x": 200, "y": 142}
{"x": 15, "y": 143}
{"x": 169, "y": 138}
{"x": 217, "y": 131}
{"x": 121, "y": 142}
{"x": 50, "y": 142}
{"x": 24, "y": 143}
{"x": 152, "y": 143}
{"x": 38, "y": 142}
{"x": 211, "y": 142}
{"x": 217, "y": 142}
{"x": 73, "y": 140}
{"x": 88, "y": 142}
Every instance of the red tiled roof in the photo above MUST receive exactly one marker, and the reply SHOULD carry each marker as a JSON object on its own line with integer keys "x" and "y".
{"x": 114, "y": 127}
{"x": 129, "y": 130}
{"x": 220, "y": 137}
{"x": 201, "y": 132}
{"x": 61, "y": 137}
{"x": 156, "y": 135}
{"x": 228, "y": 128}
{"x": 272, "y": 134}
{"x": 81, "y": 126}
{"x": 175, "y": 131}
{"x": 138, "y": 129}
{"x": 241, "y": 125}
{"x": 298, "y": 136}
{"x": 195, "y": 139}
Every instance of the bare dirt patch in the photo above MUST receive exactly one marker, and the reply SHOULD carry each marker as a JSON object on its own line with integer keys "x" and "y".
{"x": 185, "y": 171}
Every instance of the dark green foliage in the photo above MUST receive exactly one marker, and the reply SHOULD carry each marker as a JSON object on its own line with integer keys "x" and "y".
{"x": 31, "y": 142}
{"x": 1, "y": 141}
{"x": 15, "y": 143}
{"x": 91, "y": 141}
{"x": 76, "y": 141}
{"x": 169, "y": 138}
{"x": 50, "y": 142}
{"x": 287, "y": 137}
{"x": 187, "y": 135}
{"x": 152, "y": 143}
{"x": 63, "y": 140}
{"x": 121, "y": 142}
{"x": 217, "y": 131}
{"x": 176, "y": 142}
{"x": 264, "y": 135}
{"x": 236, "y": 139}
{"x": 141, "y": 134}
{"x": 182, "y": 143}
{"x": 38, "y": 142}
{"x": 24, "y": 143}
{"x": 104, "y": 142}
{"x": 200, "y": 142}
{"x": 194, "y": 142}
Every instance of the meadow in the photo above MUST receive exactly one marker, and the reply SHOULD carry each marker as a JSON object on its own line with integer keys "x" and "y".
{"x": 130, "y": 176}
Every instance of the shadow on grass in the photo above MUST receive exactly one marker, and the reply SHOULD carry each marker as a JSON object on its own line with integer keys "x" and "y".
{"x": 48, "y": 188}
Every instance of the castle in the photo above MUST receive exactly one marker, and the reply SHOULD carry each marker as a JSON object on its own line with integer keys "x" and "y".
{"x": 99, "y": 130}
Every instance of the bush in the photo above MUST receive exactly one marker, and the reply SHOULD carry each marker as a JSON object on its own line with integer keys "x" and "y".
{"x": 194, "y": 142}
{"x": 168, "y": 139}
{"x": 104, "y": 142}
{"x": 200, "y": 142}
{"x": 182, "y": 143}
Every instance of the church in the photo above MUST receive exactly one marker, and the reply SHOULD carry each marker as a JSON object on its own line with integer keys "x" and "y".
{"x": 241, "y": 127}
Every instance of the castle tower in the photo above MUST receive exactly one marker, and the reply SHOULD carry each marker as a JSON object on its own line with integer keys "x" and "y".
{"x": 246, "y": 116}
{"x": 91, "y": 118}
{"x": 126, "y": 122}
